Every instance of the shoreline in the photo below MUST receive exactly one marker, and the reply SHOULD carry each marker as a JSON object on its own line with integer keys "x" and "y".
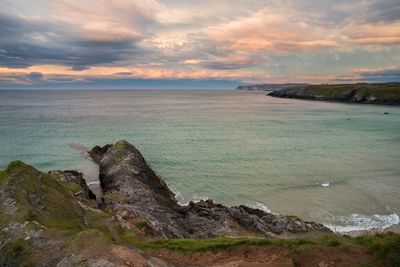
{"x": 53, "y": 218}
{"x": 395, "y": 228}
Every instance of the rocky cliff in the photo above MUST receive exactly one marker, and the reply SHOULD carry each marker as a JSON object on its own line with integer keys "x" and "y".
{"x": 53, "y": 219}
{"x": 134, "y": 192}
{"x": 385, "y": 93}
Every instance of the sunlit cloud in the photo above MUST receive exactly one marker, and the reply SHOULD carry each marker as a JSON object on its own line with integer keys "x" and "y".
{"x": 245, "y": 41}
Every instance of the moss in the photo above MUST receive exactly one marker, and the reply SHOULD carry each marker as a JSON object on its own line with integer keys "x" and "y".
{"x": 16, "y": 253}
{"x": 140, "y": 224}
{"x": 294, "y": 218}
{"x": 2, "y": 177}
{"x": 116, "y": 159}
{"x": 73, "y": 187}
{"x": 120, "y": 146}
{"x": 386, "y": 248}
{"x": 17, "y": 166}
{"x": 89, "y": 242}
{"x": 41, "y": 197}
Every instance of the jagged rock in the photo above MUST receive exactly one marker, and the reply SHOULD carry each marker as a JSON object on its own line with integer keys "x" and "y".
{"x": 131, "y": 186}
{"x": 70, "y": 176}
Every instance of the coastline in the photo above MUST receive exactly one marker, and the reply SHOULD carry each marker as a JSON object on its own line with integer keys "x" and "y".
{"x": 53, "y": 218}
{"x": 362, "y": 93}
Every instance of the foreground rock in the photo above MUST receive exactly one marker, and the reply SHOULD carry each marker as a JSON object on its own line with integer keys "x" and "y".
{"x": 136, "y": 194}
{"x": 383, "y": 93}
{"x": 52, "y": 219}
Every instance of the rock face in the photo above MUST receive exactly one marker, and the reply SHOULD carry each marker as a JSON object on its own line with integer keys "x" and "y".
{"x": 136, "y": 194}
{"x": 385, "y": 93}
{"x": 70, "y": 176}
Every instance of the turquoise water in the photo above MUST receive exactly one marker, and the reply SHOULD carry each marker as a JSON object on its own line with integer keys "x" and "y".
{"x": 333, "y": 163}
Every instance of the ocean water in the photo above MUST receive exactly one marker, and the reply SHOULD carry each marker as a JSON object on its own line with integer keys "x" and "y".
{"x": 338, "y": 164}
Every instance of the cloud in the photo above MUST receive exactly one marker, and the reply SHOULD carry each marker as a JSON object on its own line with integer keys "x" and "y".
{"x": 249, "y": 40}
{"x": 75, "y": 34}
{"x": 35, "y": 76}
{"x": 271, "y": 31}
{"x": 80, "y": 68}
{"x": 387, "y": 74}
{"x": 383, "y": 11}
{"x": 123, "y": 73}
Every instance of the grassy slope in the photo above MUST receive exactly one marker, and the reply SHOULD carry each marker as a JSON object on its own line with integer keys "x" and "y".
{"x": 61, "y": 214}
{"x": 385, "y": 93}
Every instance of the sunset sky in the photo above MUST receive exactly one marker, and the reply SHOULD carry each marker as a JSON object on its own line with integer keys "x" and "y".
{"x": 196, "y": 44}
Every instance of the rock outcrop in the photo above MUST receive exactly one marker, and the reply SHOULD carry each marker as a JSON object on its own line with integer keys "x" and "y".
{"x": 385, "y": 93}
{"x": 51, "y": 219}
{"x": 134, "y": 192}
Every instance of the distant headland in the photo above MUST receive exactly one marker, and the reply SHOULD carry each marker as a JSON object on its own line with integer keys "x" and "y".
{"x": 268, "y": 86}
{"x": 365, "y": 93}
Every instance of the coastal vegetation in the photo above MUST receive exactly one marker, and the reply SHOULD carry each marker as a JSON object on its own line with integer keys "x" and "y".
{"x": 46, "y": 220}
{"x": 378, "y": 93}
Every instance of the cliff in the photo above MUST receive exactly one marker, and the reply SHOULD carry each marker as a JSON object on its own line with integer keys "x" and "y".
{"x": 53, "y": 219}
{"x": 384, "y": 93}
{"x": 133, "y": 191}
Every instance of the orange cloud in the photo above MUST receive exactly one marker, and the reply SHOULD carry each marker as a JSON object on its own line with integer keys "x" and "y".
{"x": 374, "y": 34}
{"x": 273, "y": 31}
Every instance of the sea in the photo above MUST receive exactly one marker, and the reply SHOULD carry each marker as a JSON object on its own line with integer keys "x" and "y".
{"x": 333, "y": 163}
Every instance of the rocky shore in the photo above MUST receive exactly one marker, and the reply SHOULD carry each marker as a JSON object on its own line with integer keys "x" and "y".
{"x": 133, "y": 191}
{"x": 54, "y": 219}
{"x": 384, "y": 93}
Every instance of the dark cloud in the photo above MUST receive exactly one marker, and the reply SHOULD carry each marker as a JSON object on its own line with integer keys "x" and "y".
{"x": 26, "y": 42}
{"x": 388, "y": 74}
{"x": 35, "y": 76}
{"x": 380, "y": 72}
{"x": 80, "y": 68}
{"x": 123, "y": 73}
{"x": 384, "y": 11}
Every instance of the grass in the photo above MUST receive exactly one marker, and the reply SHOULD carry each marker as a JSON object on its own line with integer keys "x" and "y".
{"x": 40, "y": 197}
{"x": 43, "y": 198}
{"x": 384, "y": 93}
{"x": 140, "y": 224}
{"x": 73, "y": 187}
{"x": 386, "y": 247}
{"x": 16, "y": 253}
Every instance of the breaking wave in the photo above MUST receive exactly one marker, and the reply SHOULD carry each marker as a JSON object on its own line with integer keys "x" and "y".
{"x": 358, "y": 222}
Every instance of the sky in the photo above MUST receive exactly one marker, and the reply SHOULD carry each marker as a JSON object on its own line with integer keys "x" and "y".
{"x": 196, "y": 44}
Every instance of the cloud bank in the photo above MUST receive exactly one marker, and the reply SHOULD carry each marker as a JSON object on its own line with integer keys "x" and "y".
{"x": 48, "y": 43}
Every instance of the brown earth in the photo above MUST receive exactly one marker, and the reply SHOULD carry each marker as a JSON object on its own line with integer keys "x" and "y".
{"x": 269, "y": 256}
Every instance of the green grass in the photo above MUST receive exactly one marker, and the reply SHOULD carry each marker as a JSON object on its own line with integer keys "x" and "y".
{"x": 384, "y": 93}
{"x": 41, "y": 197}
{"x": 17, "y": 253}
{"x": 386, "y": 247}
{"x": 140, "y": 224}
{"x": 73, "y": 187}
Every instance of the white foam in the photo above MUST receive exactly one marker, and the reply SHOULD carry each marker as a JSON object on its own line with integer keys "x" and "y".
{"x": 358, "y": 222}
{"x": 260, "y": 206}
{"x": 194, "y": 198}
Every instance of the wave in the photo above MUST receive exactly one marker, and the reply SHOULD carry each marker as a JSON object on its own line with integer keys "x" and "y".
{"x": 260, "y": 206}
{"x": 181, "y": 200}
{"x": 358, "y": 222}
